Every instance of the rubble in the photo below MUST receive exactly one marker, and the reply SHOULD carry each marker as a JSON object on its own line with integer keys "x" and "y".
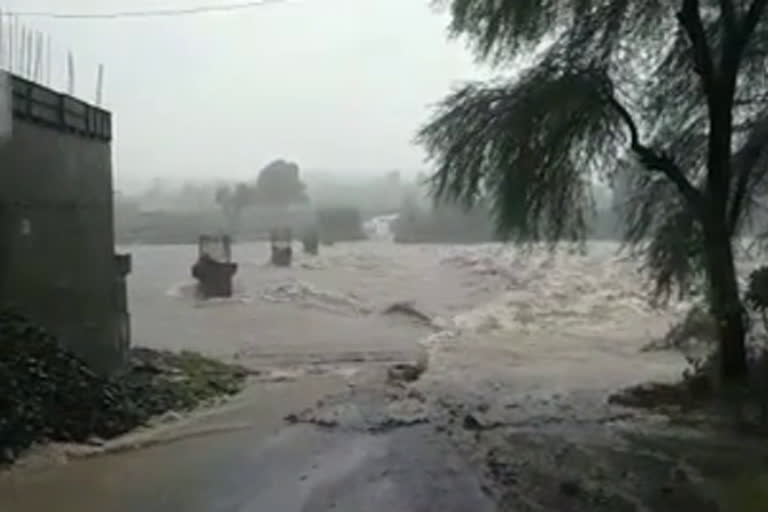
{"x": 49, "y": 394}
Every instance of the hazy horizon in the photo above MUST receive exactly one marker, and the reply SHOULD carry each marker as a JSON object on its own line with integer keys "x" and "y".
{"x": 336, "y": 85}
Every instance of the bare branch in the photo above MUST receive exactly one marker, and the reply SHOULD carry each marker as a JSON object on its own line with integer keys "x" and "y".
{"x": 740, "y": 37}
{"x": 729, "y": 16}
{"x": 745, "y": 162}
{"x": 752, "y": 18}
{"x": 660, "y": 162}
{"x": 689, "y": 18}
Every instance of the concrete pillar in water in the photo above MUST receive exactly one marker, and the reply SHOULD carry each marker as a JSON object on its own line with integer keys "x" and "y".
{"x": 310, "y": 241}
{"x": 281, "y": 246}
{"x": 214, "y": 269}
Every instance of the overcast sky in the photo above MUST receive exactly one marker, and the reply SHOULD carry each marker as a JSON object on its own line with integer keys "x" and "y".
{"x": 332, "y": 84}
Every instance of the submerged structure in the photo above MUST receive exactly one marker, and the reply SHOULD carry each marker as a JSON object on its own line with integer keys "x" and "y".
{"x": 311, "y": 241}
{"x": 58, "y": 265}
{"x": 281, "y": 245}
{"x": 214, "y": 269}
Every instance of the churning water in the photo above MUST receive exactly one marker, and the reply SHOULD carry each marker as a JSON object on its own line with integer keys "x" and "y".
{"x": 531, "y": 303}
{"x": 501, "y": 321}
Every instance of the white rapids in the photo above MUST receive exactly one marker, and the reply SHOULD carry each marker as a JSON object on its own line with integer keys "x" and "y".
{"x": 504, "y": 322}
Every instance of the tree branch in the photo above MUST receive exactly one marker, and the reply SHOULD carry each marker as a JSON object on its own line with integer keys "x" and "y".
{"x": 728, "y": 13}
{"x": 689, "y": 18}
{"x": 740, "y": 36}
{"x": 660, "y": 162}
{"x": 747, "y": 158}
{"x": 744, "y": 163}
{"x": 752, "y": 18}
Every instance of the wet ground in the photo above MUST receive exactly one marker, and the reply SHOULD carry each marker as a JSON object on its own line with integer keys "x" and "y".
{"x": 512, "y": 409}
{"x": 255, "y": 465}
{"x": 315, "y": 329}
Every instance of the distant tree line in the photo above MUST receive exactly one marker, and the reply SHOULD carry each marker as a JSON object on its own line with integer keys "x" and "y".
{"x": 278, "y": 184}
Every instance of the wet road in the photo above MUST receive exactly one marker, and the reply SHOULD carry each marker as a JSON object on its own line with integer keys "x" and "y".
{"x": 260, "y": 465}
{"x": 327, "y": 306}
{"x": 300, "y": 469}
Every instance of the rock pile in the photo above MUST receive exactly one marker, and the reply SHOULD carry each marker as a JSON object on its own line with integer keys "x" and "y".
{"x": 48, "y": 394}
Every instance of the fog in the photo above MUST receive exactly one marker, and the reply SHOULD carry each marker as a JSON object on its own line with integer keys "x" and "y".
{"x": 177, "y": 211}
{"x": 379, "y": 193}
{"x": 339, "y": 86}
{"x": 204, "y": 101}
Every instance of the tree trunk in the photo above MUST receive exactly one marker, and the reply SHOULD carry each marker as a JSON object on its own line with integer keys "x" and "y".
{"x": 725, "y": 302}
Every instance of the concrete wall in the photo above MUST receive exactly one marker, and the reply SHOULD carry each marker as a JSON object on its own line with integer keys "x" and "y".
{"x": 57, "y": 261}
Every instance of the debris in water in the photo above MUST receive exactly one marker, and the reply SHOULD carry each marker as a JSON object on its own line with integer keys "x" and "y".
{"x": 471, "y": 423}
{"x": 390, "y": 424}
{"x": 408, "y": 309}
{"x": 404, "y": 372}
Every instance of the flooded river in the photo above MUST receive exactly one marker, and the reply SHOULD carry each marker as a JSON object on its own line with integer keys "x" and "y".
{"x": 505, "y": 325}
{"x": 328, "y": 305}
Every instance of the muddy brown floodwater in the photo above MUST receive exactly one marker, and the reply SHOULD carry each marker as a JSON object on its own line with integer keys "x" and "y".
{"x": 523, "y": 348}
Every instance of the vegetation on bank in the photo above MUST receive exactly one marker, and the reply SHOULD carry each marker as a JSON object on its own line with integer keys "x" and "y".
{"x": 246, "y": 210}
{"x": 444, "y": 223}
{"x": 173, "y": 227}
{"x": 166, "y": 214}
{"x": 165, "y": 227}
{"x": 415, "y": 225}
{"x": 48, "y": 394}
{"x": 339, "y": 224}
{"x": 451, "y": 223}
{"x": 277, "y": 185}
{"x": 668, "y": 96}
{"x": 701, "y": 388}
{"x": 418, "y": 222}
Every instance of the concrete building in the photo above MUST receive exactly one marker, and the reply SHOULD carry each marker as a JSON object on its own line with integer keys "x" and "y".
{"x": 57, "y": 257}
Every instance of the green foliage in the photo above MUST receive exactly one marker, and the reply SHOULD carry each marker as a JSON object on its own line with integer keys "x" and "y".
{"x": 757, "y": 293}
{"x": 278, "y": 184}
{"x": 336, "y": 224}
{"x": 697, "y": 326}
{"x": 675, "y": 256}
{"x": 495, "y": 141}
{"x": 607, "y": 89}
{"x": 757, "y": 289}
{"x": 443, "y": 223}
{"x": 744, "y": 491}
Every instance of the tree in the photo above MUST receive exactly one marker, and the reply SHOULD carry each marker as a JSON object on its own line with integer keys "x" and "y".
{"x": 232, "y": 201}
{"x": 279, "y": 184}
{"x": 675, "y": 91}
